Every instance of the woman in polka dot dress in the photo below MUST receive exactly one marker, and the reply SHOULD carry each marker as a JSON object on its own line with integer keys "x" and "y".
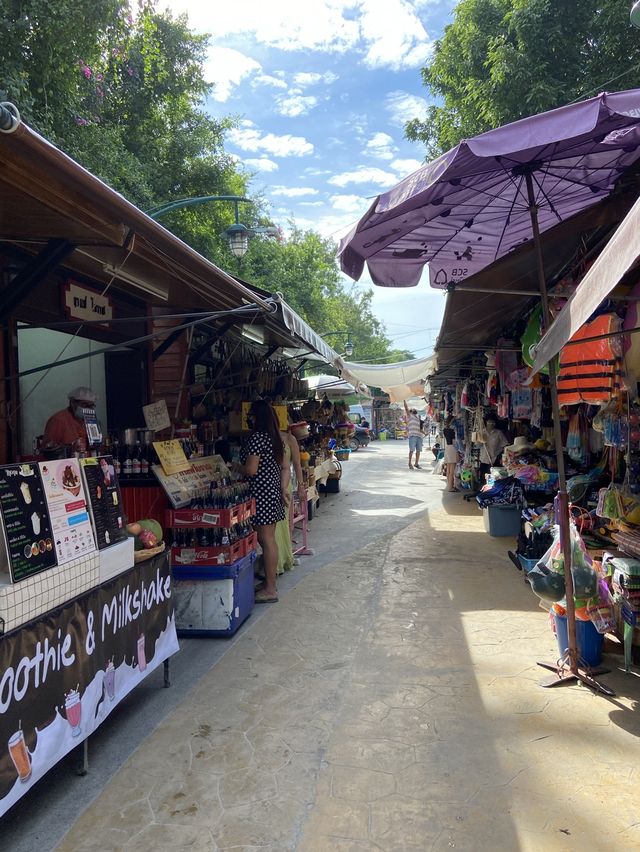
{"x": 264, "y": 464}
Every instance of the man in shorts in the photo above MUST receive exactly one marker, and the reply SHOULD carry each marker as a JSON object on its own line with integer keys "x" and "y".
{"x": 414, "y": 433}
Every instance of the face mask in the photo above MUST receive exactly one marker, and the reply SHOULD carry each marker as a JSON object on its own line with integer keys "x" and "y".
{"x": 77, "y": 410}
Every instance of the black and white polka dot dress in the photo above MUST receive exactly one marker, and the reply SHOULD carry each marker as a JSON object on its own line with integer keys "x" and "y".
{"x": 266, "y": 485}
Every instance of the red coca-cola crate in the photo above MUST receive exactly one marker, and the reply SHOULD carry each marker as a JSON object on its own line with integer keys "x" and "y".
{"x": 211, "y": 556}
{"x": 249, "y": 509}
{"x": 249, "y": 543}
{"x": 206, "y": 517}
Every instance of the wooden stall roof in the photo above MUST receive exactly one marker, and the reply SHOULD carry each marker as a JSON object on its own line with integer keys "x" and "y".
{"x": 46, "y": 196}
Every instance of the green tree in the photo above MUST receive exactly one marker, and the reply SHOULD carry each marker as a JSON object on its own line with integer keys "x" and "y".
{"x": 303, "y": 268}
{"x": 501, "y": 60}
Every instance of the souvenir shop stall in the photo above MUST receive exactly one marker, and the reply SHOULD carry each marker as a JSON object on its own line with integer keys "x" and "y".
{"x": 99, "y": 304}
{"x": 598, "y": 368}
{"x": 549, "y": 188}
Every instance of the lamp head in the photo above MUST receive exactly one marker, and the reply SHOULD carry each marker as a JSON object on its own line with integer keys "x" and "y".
{"x": 634, "y": 15}
{"x": 238, "y": 238}
{"x": 348, "y": 349}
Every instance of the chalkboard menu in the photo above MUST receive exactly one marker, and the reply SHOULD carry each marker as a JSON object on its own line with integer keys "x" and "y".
{"x": 105, "y": 500}
{"x": 25, "y": 521}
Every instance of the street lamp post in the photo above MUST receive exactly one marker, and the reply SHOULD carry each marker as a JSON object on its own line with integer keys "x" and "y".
{"x": 348, "y": 346}
{"x": 237, "y": 235}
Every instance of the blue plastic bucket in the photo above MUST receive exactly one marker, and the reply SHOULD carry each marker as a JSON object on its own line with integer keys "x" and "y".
{"x": 527, "y": 564}
{"x": 587, "y": 637}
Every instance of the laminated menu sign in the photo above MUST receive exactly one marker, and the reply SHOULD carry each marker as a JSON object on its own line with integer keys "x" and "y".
{"x": 172, "y": 457}
{"x": 68, "y": 510}
{"x": 105, "y": 500}
{"x": 25, "y": 521}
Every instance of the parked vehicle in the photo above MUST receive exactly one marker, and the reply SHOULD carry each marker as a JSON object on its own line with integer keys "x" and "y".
{"x": 360, "y": 437}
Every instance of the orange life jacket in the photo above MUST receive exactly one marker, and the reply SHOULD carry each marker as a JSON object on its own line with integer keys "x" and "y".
{"x": 591, "y": 372}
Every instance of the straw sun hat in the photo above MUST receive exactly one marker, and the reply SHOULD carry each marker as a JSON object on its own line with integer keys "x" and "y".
{"x": 520, "y": 445}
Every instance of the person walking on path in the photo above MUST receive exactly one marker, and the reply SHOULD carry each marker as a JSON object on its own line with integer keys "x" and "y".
{"x": 450, "y": 453}
{"x": 268, "y": 471}
{"x": 414, "y": 432}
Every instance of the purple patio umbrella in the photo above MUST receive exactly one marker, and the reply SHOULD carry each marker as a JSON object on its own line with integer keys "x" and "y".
{"x": 486, "y": 197}
{"x": 472, "y": 205}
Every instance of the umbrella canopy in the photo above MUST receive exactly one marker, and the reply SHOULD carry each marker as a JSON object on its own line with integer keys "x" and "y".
{"x": 472, "y": 205}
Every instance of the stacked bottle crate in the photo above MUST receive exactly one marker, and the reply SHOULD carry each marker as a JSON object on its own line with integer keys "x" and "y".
{"x": 212, "y": 555}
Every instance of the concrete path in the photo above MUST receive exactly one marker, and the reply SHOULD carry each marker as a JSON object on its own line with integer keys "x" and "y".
{"x": 390, "y": 701}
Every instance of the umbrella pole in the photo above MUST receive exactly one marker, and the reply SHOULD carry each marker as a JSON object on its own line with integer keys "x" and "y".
{"x": 567, "y": 669}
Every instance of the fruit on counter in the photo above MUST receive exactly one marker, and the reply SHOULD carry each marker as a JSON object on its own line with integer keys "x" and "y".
{"x": 146, "y": 533}
{"x": 148, "y": 539}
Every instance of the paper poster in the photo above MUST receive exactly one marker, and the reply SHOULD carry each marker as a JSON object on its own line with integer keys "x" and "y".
{"x": 25, "y": 521}
{"x": 171, "y": 455}
{"x": 156, "y": 416}
{"x": 68, "y": 510}
{"x": 105, "y": 500}
{"x": 181, "y": 487}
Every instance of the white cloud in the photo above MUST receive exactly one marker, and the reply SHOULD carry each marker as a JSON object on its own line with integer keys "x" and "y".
{"x": 311, "y": 78}
{"x": 312, "y": 204}
{"x": 394, "y": 35}
{"x": 350, "y": 203}
{"x": 225, "y": 68}
{"x": 296, "y": 105}
{"x": 364, "y": 174}
{"x": 274, "y": 80}
{"x": 402, "y": 107}
{"x": 261, "y": 164}
{"x": 315, "y": 172}
{"x": 385, "y": 34}
{"x": 249, "y": 138}
{"x": 381, "y": 146}
{"x": 405, "y": 167}
{"x": 292, "y": 191}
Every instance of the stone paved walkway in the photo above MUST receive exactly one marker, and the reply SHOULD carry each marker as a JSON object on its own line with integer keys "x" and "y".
{"x": 388, "y": 702}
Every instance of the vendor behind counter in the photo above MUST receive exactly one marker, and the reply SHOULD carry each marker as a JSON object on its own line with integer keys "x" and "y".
{"x": 67, "y": 428}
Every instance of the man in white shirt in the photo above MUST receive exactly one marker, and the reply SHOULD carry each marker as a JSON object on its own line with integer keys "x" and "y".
{"x": 414, "y": 433}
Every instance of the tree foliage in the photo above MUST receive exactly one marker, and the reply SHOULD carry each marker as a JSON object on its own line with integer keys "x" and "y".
{"x": 303, "y": 268}
{"x": 123, "y": 93}
{"x": 501, "y": 60}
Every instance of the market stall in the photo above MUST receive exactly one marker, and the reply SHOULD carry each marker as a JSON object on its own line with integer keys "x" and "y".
{"x": 147, "y": 342}
{"x": 517, "y": 186}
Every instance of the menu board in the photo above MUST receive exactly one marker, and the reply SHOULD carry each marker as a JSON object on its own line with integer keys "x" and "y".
{"x": 172, "y": 457}
{"x": 181, "y": 487}
{"x": 26, "y": 524}
{"x": 68, "y": 510}
{"x": 105, "y": 500}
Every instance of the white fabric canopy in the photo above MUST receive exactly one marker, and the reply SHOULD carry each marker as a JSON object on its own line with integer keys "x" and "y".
{"x": 401, "y": 380}
{"x": 331, "y": 385}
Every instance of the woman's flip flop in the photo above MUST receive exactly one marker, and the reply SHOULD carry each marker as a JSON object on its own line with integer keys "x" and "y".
{"x": 261, "y": 597}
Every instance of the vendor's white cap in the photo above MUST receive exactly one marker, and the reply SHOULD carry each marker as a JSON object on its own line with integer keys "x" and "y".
{"x": 83, "y": 394}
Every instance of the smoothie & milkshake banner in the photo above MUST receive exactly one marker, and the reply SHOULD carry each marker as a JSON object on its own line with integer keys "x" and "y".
{"x": 61, "y": 676}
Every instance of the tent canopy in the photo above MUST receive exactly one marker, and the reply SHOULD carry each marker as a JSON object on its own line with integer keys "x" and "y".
{"x": 471, "y": 206}
{"x": 400, "y": 381}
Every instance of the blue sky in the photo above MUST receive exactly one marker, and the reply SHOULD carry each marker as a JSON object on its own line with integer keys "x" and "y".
{"x": 322, "y": 89}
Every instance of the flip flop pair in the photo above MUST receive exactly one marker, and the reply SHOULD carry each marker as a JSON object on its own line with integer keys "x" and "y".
{"x": 261, "y": 597}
